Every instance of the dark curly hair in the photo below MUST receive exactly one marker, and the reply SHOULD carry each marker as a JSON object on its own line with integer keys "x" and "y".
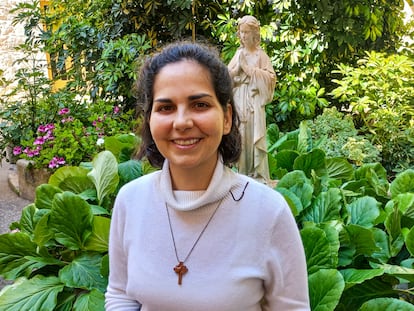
{"x": 206, "y": 56}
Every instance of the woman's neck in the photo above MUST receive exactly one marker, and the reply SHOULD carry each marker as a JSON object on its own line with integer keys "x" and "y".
{"x": 191, "y": 179}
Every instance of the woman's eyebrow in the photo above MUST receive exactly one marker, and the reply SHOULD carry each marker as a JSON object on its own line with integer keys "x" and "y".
{"x": 191, "y": 97}
{"x": 198, "y": 96}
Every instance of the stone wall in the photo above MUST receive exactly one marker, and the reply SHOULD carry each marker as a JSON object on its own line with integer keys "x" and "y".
{"x": 10, "y": 37}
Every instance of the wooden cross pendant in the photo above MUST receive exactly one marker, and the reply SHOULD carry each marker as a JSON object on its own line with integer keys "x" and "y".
{"x": 180, "y": 269}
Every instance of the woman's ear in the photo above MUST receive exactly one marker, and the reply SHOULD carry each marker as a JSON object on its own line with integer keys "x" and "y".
{"x": 228, "y": 119}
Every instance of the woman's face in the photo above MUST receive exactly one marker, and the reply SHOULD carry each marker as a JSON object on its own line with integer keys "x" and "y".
{"x": 247, "y": 35}
{"x": 187, "y": 121}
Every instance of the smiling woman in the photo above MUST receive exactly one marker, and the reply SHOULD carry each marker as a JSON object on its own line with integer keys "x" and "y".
{"x": 196, "y": 235}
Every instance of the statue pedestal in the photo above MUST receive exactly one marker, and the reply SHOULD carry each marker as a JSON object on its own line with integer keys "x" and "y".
{"x": 29, "y": 178}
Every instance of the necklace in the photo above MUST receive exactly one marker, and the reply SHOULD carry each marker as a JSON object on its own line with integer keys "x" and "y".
{"x": 181, "y": 268}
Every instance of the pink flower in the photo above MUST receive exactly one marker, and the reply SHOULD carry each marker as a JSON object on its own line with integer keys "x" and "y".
{"x": 50, "y": 127}
{"x": 116, "y": 109}
{"x": 49, "y": 136}
{"x": 17, "y": 150}
{"x": 45, "y": 128}
{"x": 39, "y": 141}
{"x": 41, "y": 128}
{"x": 56, "y": 162}
{"x": 63, "y": 111}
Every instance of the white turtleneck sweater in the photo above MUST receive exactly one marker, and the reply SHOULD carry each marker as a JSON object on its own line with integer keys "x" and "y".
{"x": 250, "y": 256}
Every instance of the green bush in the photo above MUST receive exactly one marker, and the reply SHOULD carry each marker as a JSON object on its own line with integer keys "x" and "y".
{"x": 334, "y": 132}
{"x": 356, "y": 227}
{"x": 380, "y": 93}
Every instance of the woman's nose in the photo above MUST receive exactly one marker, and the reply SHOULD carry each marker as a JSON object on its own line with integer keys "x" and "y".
{"x": 182, "y": 120}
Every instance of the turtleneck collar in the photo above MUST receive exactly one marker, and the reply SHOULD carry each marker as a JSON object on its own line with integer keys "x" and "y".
{"x": 222, "y": 181}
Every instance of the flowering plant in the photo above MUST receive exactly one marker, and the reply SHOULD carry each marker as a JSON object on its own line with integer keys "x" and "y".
{"x": 71, "y": 140}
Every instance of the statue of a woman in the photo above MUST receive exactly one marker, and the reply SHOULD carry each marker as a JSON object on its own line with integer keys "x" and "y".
{"x": 254, "y": 82}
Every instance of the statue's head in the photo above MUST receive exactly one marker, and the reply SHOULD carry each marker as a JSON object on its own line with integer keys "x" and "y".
{"x": 253, "y": 24}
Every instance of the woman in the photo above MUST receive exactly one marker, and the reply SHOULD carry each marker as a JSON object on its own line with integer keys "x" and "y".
{"x": 254, "y": 83}
{"x": 195, "y": 235}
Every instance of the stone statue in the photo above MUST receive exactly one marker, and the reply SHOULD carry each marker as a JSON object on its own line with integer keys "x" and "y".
{"x": 254, "y": 81}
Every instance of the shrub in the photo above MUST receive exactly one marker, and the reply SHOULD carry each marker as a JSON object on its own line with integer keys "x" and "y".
{"x": 334, "y": 132}
{"x": 380, "y": 93}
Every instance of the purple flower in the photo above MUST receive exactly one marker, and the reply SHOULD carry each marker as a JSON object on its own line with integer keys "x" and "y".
{"x": 56, "y": 162}
{"x": 50, "y": 127}
{"x": 39, "y": 140}
{"x": 49, "y": 136}
{"x": 63, "y": 111}
{"x": 41, "y": 128}
{"x": 17, "y": 150}
{"x": 116, "y": 109}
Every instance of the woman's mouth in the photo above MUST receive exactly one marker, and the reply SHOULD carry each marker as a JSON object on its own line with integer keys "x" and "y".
{"x": 186, "y": 142}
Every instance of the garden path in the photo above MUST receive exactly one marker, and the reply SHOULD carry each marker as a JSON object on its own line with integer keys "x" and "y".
{"x": 11, "y": 204}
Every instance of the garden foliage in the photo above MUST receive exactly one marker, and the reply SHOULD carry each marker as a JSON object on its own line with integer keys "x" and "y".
{"x": 356, "y": 227}
{"x": 380, "y": 93}
{"x": 57, "y": 253}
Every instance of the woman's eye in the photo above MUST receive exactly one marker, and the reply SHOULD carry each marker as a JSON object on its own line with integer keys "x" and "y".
{"x": 165, "y": 108}
{"x": 201, "y": 105}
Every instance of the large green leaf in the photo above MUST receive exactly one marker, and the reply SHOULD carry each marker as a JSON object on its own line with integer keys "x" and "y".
{"x": 326, "y": 207}
{"x": 403, "y": 182}
{"x": 409, "y": 241}
{"x": 94, "y": 300}
{"x": 14, "y": 251}
{"x": 362, "y": 239}
{"x": 44, "y": 196}
{"x": 121, "y": 146}
{"x": 312, "y": 161}
{"x": 42, "y": 234}
{"x": 129, "y": 170}
{"x": 397, "y": 271}
{"x": 104, "y": 174}
{"x": 325, "y": 289}
{"x": 71, "y": 178}
{"x": 376, "y": 177}
{"x": 339, "y": 168}
{"x": 304, "y": 138}
{"x": 28, "y": 219}
{"x": 71, "y": 220}
{"x": 386, "y": 304}
{"x": 358, "y": 276}
{"x": 383, "y": 253}
{"x": 404, "y": 202}
{"x": 84, "y": 272}
{"x": 363, "y": 211}
{"x": 354, "y": 297}
{"x": 38, "y": 293}
{"x": 98, "y": 240}
{"x": 293, "y": 201}
{"x": 319, "y": 254}
{"x": 285, "y": 159}
{"x": 299, "y": 184}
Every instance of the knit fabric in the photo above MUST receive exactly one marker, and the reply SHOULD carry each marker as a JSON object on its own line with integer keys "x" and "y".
{"x": 250, "y": 257}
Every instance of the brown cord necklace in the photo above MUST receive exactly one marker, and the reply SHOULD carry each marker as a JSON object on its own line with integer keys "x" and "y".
{"x": 181, "y": 268}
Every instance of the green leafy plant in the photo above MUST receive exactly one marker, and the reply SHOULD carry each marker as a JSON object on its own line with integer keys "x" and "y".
{"x": 57, "y": 253}
{"x": 334, "y": 132}
{"x": 380, "y": 93}
{"x": 70, "y": 140}
{"x": 356, "y": 227}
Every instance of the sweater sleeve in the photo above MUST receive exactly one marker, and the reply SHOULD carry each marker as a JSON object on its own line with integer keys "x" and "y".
{"x": 116, "y": 297}
{"x": 286, "y": 287}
